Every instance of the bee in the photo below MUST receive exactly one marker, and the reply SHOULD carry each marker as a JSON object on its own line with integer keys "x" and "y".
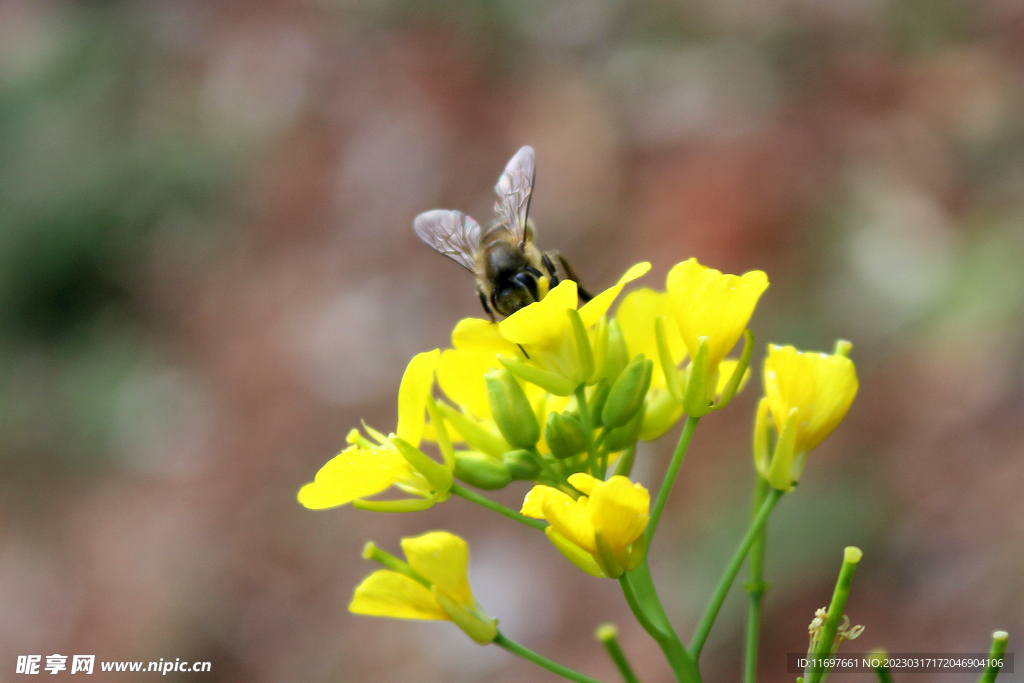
{"x": 510, "y": 271}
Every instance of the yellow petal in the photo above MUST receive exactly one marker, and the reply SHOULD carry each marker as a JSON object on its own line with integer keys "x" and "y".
{"x": 583, "y": 482}
{"x": 571, "y": 519}
{"x": 599, "y": 305}
{"x": 412, "y": 396}
{"x": 442, "y": 558}
{"x": 636, "y": 315}
{"x": 533, "y": 504}
{"x": 385, "y": 593}
{"x": 707, "y": 303}
{"x": 819, "y": 386}
{"x": 542, "y": 322}
{"x": 620, "y": 508}
{"x": 460, "y": 374}
{"x": 476, "y": 333}
{"x": 354, "y": 473}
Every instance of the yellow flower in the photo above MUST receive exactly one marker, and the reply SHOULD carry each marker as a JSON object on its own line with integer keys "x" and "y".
{"x": 432, "y": 585}
{"x": 807, "y": 395}
{"x": 460, "y": 370}
{"x": 367, "y": 468}
{"x": 707, "y": 303}
{"x": 713, "y": 307}
{"x": 601, "y": 532}
{"x": 477, "y": 343}
{"x": 636, "y": 317}
{"x": 555, "y": 337}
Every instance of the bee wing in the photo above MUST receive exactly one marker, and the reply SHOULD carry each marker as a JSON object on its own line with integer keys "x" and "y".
{"x": 451, "y": 233}
{"x": 514, "y": 189}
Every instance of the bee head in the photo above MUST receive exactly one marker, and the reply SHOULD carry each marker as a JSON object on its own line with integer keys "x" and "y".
{"x": 521, "y": 290}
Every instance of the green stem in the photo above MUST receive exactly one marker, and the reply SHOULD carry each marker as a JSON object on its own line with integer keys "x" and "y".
{"x": 625, "y": 464}
{"x": 474, "y": 497}
{"x": 638, "y": 587}
{"x": 588, "y": 429}
{"x": 999, "y": 640}
{"x": 609, "y": 637}
{"x": 715, "y": 604}
{"x": 756, "y": 587}
{"x": 826, "y": 638}
{"x": 553, "y": 667}
{"x": 670, "y": 475}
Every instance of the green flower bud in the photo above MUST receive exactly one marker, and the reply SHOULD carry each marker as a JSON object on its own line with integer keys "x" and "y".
{"x": 521, "y": 464}
{"x": 564, "y": 435}
{"x": 623, "y": 437}
{"x": 481, "y": 471}
{"x": 511, "y": 409}
{"x": 597, "y": 400}
{"x": 616, "y": 355}
{"x": 628, "y": 392}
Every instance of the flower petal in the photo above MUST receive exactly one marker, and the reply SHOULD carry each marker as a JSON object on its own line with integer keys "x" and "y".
{"x": 636, "y": 315}
{"x": 620, "y": 509}
{"x": 354, "y": 473}
{"x": 385, "y": 593}
{"x": 460, "y": 374}
{"x": 599, "y": 305}
{"x": 441, "y": 558}
{"x": 584, "y": 483}
{"x": 707, "y": 303}
{"x": 819, "y": 386}
{"x": 412, "y": 396}
{"x": 571, "y": 519}
{"x": 542, "y": 322}
{"x": 533, "y": 504}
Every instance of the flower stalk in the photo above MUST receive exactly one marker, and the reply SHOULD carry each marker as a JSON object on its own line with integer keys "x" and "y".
{"x": 718, "y": 597}
{"x": 826, "y": 638}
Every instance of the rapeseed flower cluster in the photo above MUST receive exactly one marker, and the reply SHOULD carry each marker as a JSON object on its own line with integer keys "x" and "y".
{"x": 559, "y": 394}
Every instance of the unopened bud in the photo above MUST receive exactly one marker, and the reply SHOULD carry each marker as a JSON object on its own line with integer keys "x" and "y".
{"x": 628, "y": 392}
{"x": 564, "y": 435}
{"x": 623, "y": 437}
{"x": 511, "y": 409}
{"x": 481, "y": 471}
{"x": 597, "y": 399}
{"x": 521, "y": 464}
{"x": 616, "y": 356}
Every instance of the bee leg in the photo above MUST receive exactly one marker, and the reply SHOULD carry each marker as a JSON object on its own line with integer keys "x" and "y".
{"x": 552, "y": 272}
{"x": 571, "y": 274}
{"x": 487, "y": 307}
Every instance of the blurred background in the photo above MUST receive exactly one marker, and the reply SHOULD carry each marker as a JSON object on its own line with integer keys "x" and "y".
{"x": 208, "y": 275}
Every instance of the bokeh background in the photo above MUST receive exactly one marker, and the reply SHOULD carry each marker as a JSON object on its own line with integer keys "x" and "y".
{"x": 208, "y": 276}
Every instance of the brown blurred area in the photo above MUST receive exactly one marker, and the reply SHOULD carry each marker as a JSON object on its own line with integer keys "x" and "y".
{"x": 208, "y": 276}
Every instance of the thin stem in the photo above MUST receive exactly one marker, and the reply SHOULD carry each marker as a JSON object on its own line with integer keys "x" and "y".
{"x": 588, "y": 428}
{"x": 563, "y": 671}
{"x": 715, "y": 604}
{"x": 625, "y": 464}
{"x": 756, "y": 587}
{"x": 497, "y": 507}
{"x": 638, "y": 609}
{"x": 999, "y": 640}
{"x": 826, "y": 637}
{"x": 609, "y": 637}
{"x": 638, "y": 587}
{"x": 670, "y": 474}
